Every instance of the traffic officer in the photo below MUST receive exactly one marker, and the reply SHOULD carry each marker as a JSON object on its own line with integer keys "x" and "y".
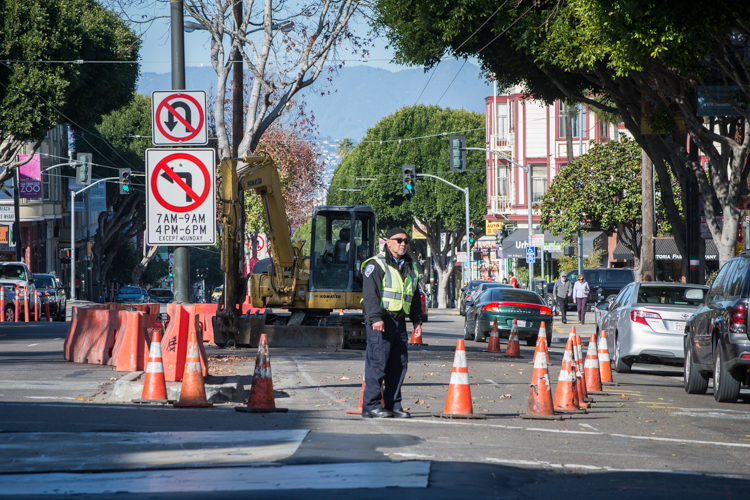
{"x": 389, "y": 295}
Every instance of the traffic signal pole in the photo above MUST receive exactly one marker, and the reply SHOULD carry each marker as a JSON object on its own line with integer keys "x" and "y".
{"x": 181, "y": 281}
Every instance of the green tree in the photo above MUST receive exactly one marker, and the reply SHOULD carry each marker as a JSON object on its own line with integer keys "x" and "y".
{"x": 626, "y": 50}
{"x": 345, "y": 146}
{"x": 119, "y": 140}
{"x": 418, "y": 136}
{"x": 37, "y": 93}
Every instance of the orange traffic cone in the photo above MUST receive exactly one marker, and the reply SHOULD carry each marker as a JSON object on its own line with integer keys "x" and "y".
{"x": 605, "y": 368}
{"x": 2, "y": 303}
{"x": 458, "y": 401}
{"x": 36, "y": 306}
{"x": 193, "y": 391}
{"x": 540, "y": 395}
{"x": 566, "y": 394}
{"x": 46, "y": 309}
{"x": 26, "y": 304}
{"x": 260, "y": 398}
{"x": 154, "y": 383}
{"x": 18, "y": 296}
{"x": 591, "y": 368}
{"x": 514, "y": 346}
{"x": 416, "y": 339}
{"x": 494, "y": 345}
{"x": 583, "y": 396}
{"x": 362, "y": 397}
{"x": 542, "y": 337}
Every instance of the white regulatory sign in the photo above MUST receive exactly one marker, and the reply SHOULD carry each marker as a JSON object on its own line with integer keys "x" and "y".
{"x": 180, "y": 197}
{"x": 178, "y": 118}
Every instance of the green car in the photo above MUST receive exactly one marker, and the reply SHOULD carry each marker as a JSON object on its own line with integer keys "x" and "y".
{"x": 505, "y": 305}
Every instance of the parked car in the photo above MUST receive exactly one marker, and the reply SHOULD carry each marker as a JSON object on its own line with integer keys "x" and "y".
{"x": 216, "y": 295}
{"x": 506, "y": 304}
{"x": 646, "y": 322}
{"x": 17, "y": 273}
{"x": 604, "y": 283}
{"x": 161, "y": 295}
{"x": 50, "y": 292}
{"x": 132, "y": 295}
{"x": 716, "y": 341}
{"x": 466, "y": 291}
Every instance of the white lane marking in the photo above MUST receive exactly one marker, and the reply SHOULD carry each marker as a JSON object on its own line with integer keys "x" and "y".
{"x": 589, "y": 427}
{"x": 413, "y": 455}
{"x": 371, "y": 475}
{"x": 32, "y": 345}
{"x": 560, "y": 431}
{"x": 542, "y": 463}
{"x": 97, "y": 451}
{"x": 712, "y": 414}
{"x": 491, "y": 381}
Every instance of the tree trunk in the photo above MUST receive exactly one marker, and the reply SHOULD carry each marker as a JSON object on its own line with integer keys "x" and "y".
{"x": 143, "y": 264}
{"x": 569, "y": 132}
{"x": 647, "y": 217}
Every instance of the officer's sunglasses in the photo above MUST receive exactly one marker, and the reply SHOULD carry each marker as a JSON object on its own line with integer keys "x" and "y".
{"x": 401, "y": 240}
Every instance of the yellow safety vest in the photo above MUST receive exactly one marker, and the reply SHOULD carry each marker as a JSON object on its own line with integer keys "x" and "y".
{"x": 397, "y": 293}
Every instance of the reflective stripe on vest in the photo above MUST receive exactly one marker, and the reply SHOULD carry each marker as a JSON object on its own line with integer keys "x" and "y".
{"x": 397, "y": 294}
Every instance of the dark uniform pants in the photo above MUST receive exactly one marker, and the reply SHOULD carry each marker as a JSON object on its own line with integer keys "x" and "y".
{"x": 386, "y": 361}
{"x": 562, "y": 307}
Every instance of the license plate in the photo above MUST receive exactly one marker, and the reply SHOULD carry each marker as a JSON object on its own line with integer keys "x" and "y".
{"x": 522, "y": 323}
{"x": 679, "y": 326}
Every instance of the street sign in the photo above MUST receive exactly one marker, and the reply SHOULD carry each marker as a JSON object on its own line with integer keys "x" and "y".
{"x": 179, "y": 117}
{"x": 180, "y": 197}
{"x": 7, "y": 213}
{"x": 530, "y": 255}
{"x": 537, "y": 240}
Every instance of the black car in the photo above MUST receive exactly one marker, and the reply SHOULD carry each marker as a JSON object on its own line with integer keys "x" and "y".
{"x": 467, "y": 290}
{"x": 50, "y": 292}
{"x": 505, "y": 304}
{"x": 161, "y": 295}
{"x": 604, "y": 283}
{"x": 716, "y": 341}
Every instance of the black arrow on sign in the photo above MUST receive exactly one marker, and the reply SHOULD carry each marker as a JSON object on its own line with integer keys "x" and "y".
{"x": 171, "y": 123}
{"x": 185, "y": 176}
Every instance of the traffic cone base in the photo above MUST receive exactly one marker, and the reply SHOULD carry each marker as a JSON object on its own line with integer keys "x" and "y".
{"x": 514, "y": 346}
{"x": 458, "y": 403}
{"x": 193, "y": 390}
{"x": 260, "y": 399}
{"x": 494, "y": 344}
{"x": 154, "y": 383}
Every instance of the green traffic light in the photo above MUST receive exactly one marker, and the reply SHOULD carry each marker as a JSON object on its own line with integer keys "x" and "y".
{"x": 125, "y": 187}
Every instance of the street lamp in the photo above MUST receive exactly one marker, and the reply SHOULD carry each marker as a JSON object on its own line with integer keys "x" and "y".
{"x": 285, "y": 26}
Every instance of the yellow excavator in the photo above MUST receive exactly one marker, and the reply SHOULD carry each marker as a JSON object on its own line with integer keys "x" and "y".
{"x": 299, "y": 293}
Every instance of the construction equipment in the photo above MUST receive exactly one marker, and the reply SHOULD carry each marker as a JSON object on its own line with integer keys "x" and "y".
{"x": 307, "y": 289}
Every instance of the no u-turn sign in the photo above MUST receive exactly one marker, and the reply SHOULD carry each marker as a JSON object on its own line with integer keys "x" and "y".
{"x": 180, "y": 197}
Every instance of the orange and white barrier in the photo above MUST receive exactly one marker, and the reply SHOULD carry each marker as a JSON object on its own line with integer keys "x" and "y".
{"x": 566, "y": 393}
{"x": 458, "y": 402}
{"x": 540, "y": 405}
{"x": 605, "y": 367}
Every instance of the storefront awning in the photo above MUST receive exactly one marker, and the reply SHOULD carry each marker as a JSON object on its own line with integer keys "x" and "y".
{"x": 665, "y": 248}
{"x": 514, "y": 246}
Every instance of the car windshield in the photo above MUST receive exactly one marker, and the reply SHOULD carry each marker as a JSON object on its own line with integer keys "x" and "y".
{"x": 11, "y": 272}
{"x": 502, "y": 294}
{"x": 129, "y": 290}
{"x": 218, "y": 289}
{"x": 44, "y": 281}
{"x": 674, "y": 295}
{"x": 160, "y": 293}
{"x": 473, "y": 285}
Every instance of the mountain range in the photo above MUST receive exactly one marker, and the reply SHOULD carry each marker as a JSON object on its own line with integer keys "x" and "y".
{"x": 359, "y": 96}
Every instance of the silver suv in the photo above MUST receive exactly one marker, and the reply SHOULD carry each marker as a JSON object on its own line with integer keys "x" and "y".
{"x": 17, "y": 273}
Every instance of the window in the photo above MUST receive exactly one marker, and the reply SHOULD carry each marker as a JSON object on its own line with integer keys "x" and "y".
{"x": 603, "y": 128}
{"x": 674, "y": 295}
{"x": 717, "y": 288}
{"x": 513, "y": 295}
{"x": 502, "y": 180}
{"x": 538, "y": 181}
{"x": 735, "y": 280}
{"x": 46, "y": 186}
{"x": 578, "y": 120}
{"x": 623, "y": 275}
{"x": 501, "y": 128}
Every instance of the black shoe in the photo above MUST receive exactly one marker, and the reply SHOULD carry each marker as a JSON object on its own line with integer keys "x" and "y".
{"x": 401, "y": 413}
{"x": 565, "y": 322}
{"x": 377, "y": 413}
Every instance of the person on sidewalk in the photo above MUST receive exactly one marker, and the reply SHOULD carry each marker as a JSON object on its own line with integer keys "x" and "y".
{"x": 513, "y": 280}
{"x": 562, "y": 290}
{"x": 580, "y": 295}
{"x": 389, "y": 295}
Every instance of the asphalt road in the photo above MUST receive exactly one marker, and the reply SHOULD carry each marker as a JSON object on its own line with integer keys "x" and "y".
{"x": 647, "y": 439}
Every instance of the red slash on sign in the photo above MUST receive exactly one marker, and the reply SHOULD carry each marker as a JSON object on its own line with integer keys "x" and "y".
{"x": 192, "y": 199}
{"x": 182, "y": 101}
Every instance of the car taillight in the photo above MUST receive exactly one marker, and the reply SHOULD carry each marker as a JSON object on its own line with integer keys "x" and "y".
{"x": 642, "y": 316}
{"x": 546, "y": 311}
{"x": 738, "y": 322}
{"x": 492, "y": 306}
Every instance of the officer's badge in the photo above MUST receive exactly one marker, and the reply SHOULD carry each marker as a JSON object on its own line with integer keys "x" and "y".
{"x": 369, "y": 269}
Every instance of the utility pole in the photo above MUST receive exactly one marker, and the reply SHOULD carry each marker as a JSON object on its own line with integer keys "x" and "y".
{"x": 181, "y": 254}
{"x": 647, "y": 216}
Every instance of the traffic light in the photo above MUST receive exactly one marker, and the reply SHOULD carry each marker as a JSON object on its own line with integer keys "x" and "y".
{"x": 125, "y": 180}
{"x": 569, "y": 250}
{"x": 83, "y": 169}
{"x": 65, "y": 254}
{"x": 409, "y": 179}
{"x": 458, "y": 153}
{"x": 171, "y": 274}
{"x": 472, "y": 236}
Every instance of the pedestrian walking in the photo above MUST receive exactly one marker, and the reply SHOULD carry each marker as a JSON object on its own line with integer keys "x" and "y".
{"x": 561, "y": 292}
{"x": 505, "y": 281}
{"x": 389, "y": 295}
{"x": 580, "y": 295}
{"x": 513, "y": 280}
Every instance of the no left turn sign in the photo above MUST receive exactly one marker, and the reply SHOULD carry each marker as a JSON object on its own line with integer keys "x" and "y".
{"x": 180, "y": 197}
{"x": 178, "y": 117}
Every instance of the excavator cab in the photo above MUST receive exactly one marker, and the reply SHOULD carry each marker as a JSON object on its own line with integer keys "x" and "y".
{"x": 342, "y": 238}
